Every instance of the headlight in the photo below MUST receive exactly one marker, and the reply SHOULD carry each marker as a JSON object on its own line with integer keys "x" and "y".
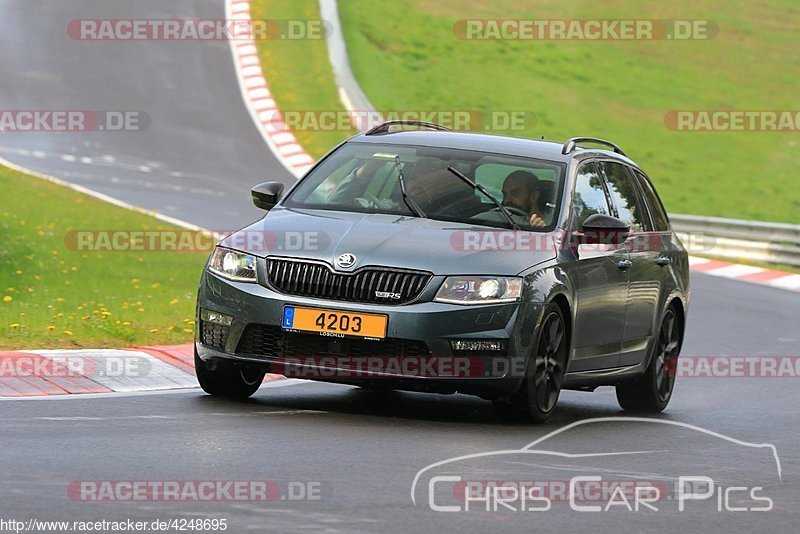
{"x": 480, "y": 289}
{"x": 233, "y": 265}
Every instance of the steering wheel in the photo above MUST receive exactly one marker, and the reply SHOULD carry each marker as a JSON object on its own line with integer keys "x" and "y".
{"x": 514, "y": 211}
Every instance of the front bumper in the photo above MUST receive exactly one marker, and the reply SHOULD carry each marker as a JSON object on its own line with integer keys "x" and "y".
{"x": 427, "y": 324}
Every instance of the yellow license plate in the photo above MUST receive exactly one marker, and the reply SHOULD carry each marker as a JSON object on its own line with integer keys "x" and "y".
{"x": 334, "y": 323}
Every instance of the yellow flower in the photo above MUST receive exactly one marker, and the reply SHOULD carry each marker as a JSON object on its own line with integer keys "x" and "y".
{"x": 7, "y": 298}
{"x": 126, "y": 323}
{"x": 60, "y": 299}
{"x": 14, "y": 325}
{"x": 85, "y": 317}
{"x": 155, "y": 285}
{"x": 19, "y": 272}
{"x": 153, "y": 330}
{"x": 51, "y": 327}
{"x": 134, "y": 280}
{"x": 141, "y": 309}
{"x": 68, "y": 332}
{"x": 188, "y": 330}
{"x": 173, "y": 301}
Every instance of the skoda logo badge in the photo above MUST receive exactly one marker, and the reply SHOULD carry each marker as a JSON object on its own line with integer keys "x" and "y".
{"x": 346, "y": 260}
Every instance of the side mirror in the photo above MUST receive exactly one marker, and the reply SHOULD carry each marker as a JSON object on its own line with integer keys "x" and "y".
{"x": 266, "y": 195}
{"x": 603, "y": 229}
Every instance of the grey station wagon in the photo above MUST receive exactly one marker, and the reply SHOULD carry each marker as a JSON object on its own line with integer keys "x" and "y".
{"x": 415, "y": 258}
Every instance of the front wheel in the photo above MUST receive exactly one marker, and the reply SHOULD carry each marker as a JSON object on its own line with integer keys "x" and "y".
{"x": 652, "y": 392}
{"x": 537, "y": 397}
{"x": 228, "y": 380}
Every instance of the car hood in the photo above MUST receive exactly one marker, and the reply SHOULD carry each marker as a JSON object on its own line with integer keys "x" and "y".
{"x": 392, "y": 240}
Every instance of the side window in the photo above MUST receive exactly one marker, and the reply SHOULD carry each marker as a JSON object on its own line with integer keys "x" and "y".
{"x": 590, "y": 197}
{"x": 654, "y": 205}
{"x": 624, "y": 195}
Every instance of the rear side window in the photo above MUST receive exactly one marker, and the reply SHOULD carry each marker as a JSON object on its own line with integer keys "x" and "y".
{"x": 624, "y": 195}
{"x": 590, "y": 196}
{"x": 654, "y": 205}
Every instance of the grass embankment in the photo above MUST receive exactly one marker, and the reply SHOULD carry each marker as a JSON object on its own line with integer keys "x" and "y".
{"x": 52, "y": 296}
{"x": 299, "y": 73}
{"x": 407, "y": 57}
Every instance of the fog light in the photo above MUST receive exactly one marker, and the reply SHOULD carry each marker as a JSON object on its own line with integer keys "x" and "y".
{"x": 215, "y": 317}
{"x": 478, "y": 345}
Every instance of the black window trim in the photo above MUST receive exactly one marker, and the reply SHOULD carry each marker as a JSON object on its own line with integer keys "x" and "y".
{"x": 640, "y": 175}
{"x": 611, "y": 208}
{"x": 637, "y": 193}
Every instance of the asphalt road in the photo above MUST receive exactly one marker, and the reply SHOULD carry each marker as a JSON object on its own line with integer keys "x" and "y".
{"x": 200, "y": 154}
{"x": 361, "y": 450}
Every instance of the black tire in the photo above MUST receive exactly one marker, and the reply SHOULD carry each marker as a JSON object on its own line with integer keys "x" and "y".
{"x": 652, "y": 392}
{"x": 228, "y": 380}
{"x": 537, "y": 397}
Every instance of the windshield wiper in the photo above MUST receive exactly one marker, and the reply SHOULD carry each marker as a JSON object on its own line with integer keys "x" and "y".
{"x": 483, "y": 190}
{"x": 412, "y": 205}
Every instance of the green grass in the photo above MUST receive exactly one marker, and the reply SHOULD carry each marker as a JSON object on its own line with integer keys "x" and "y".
{"x": 298, "y": 71}
{"x": 406, "y": 56}
{"x": 52, "y": 296}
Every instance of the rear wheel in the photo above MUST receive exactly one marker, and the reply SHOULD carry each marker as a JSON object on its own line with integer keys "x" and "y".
{"x": 537, "y": 396}
{"x": 652, "y": 392}
{"x": 228, "y": 380}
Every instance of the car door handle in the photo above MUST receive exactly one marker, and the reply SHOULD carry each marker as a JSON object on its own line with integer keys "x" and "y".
{"x": 663, "y": 260}
{"x": 624, "y": 265}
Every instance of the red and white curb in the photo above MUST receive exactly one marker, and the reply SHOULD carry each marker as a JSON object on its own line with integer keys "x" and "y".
{"x": 258, "y": 98}
{"x": 36, "y": 373}
{"x": 746, "y": 273}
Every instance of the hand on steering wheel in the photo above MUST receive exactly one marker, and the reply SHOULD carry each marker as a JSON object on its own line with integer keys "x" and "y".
{"x": 533, "y": 219}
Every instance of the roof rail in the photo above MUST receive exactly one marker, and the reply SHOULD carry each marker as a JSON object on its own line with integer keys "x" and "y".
{"x": 384, "y": 128}
{"x": 572, "y": 144}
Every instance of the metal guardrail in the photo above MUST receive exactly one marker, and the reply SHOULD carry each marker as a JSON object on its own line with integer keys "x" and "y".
{"x": 739, "y": 239}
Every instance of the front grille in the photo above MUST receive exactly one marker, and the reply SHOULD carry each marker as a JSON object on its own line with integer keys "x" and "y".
{"x": 297, "y": 277}
{"x": 272, "y": 342}
{"x": 214, "y": 335}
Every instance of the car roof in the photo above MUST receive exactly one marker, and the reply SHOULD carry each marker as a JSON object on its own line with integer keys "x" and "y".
{"x": 500, "y": 144}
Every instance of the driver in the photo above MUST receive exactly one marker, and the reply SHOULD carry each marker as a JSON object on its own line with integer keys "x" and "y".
{"x": 521, "y": 191}
{"x": 356, "y": 182}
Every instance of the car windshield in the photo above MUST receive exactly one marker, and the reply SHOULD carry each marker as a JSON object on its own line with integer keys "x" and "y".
{"x": 367, "y": 177}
